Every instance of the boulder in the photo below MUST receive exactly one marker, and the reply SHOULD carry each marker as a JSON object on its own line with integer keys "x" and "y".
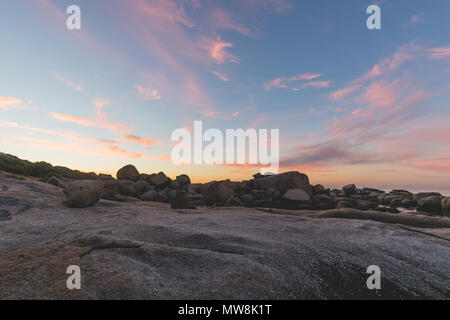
{"x": 430, "y": 204}
{"x": 150, "y": 195}
{"x": 402, "y": 192}
{"x": 84, "y": 193}
{"x": 284, "y": 182}
{"x": 445, "y": 205}
{"x": 408, "y": 203}
{"x": 364, "y": 205}
{"x": 297, "y": 196}
{"x": 349, "y": 190}
{"x": 318, "y": 189}
{"x": 103, "y": 176}
{"x": 141, "y": 187}
{"x": 395, "y": 203}
{"x": 56, "y": 182}
{"x": 386, "y": 199}
{"x": 126, "y": 188}
{"x": 129, "y": 172}
{"x": 324, "y": 202}
{"x": 422, "y": 195}
{"x": 219, "y": 192}
{"x": 158, "y": 179}
{"x": 343, "y": 204}
{"x": 180, "y": 201}
{"x": 183, "y": 180}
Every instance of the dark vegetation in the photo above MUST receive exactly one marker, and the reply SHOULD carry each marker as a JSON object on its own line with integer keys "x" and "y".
{"x": 41, "y": 170}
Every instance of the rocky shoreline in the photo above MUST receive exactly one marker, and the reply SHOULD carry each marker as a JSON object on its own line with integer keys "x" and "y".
{"x": 290, "y": 190}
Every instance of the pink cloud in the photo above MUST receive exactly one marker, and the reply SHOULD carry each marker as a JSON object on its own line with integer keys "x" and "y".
{"x": 317, "y": 84}
{"x": 148, "y": 94}
{"x": 439, "y": 164}
{"x": 100, "y": 121}
{"x": 343, "y": 93}
{"x": 217, "y": 51}
{"x": 275, "y": 83}
{"x": 139, "y": 140}
{"x": 7, "y": 103}
{"x": 220, "y": 19}
{"x": 282, "y": 82}
{"x": 221, "y": 76}
{"x": 439, "y": 53}
{"x": 305, "y": 76}
{"x": 69, "y": 83}
{"x": 165, "y": 10}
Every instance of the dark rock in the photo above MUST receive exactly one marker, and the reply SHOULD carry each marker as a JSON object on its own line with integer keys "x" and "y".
{"x": 408, "y": 203}
{"x": 82, "y": 194}
{"x": 103, "y": 176}
{"x": 422, "y": 195}
{"x": 126, "y": 188}
{"x": 343, "y": 204}
{"x": 158, "y": 179}
{"x": 363, "y": 205}
{"x": 180, "y": 201}
{"x": 430, "y": 204}
{"x": 248, "y": 200}
{"x": 219, "y": 192}
{"x": 284, "y": 182}
{"x": 183, "y": 180}
{"x": 371, "y": 190}
{"x": 395, "y": 203}
{"x": 393, "y": 210}
{"x": 296, "y": 196}
{"x": 324, "y": 202}
{"x": 349, "y": 190}
{"x": 402, "y": 192}
{"x": 56, "y": 182}
{"x": 141, "y": 187}
{"x": 386, "y": 199}
{"x": 445, "y": 205}
{"x": 174, "y": 185}
{"x": 318, "y": 189}
{"x": 129, "y": 172}
{"x": 150, "y": 195}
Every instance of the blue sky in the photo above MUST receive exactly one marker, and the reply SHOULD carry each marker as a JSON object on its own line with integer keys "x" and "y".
{"x": 352, "y": 104}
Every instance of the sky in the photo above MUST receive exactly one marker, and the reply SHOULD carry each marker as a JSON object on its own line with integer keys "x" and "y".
{"x": 353, "y": 105}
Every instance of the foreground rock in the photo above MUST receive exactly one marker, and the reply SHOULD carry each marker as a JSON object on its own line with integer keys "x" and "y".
{"x": 145, "y": 250}
{"x": 82, "y": 194}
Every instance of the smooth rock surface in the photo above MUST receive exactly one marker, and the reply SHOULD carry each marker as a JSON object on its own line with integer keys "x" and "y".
{"x": 146, "y": 250}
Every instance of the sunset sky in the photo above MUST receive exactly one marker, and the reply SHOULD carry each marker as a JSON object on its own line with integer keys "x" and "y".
{"x": 353, "y": 105}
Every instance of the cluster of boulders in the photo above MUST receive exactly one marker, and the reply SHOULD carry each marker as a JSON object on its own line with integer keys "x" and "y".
{"x": 290, "y": 190}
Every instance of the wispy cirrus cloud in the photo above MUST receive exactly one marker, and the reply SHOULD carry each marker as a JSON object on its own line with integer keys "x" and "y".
{"x": 139, "y": 140}
{"x": 69, "y": 83}
{"x": 317, "y": 84}
{"x": 284, "y": 82}
{"x": 99, "y": 121}
{"x": 10, "y": 103}
{"x": 439, "y": 53}
{"x": 221, "y": 19}
{"x": 221, "y": 76}
{"x": 74, "y": 142}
